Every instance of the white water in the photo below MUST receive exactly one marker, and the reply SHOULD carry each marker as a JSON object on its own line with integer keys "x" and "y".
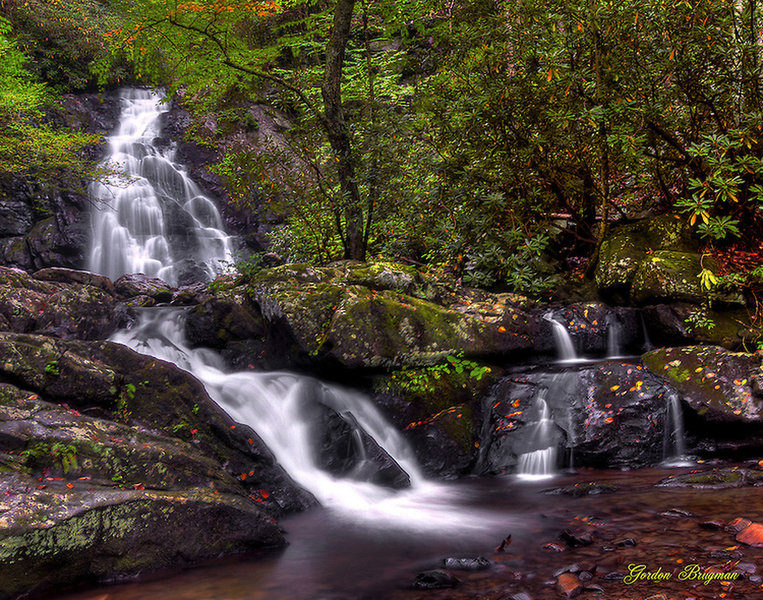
{"x": 564, "y": 347}
{"x": 150, "y": 217}
{"x": 276, "y": 405}
{"x": 540, "y": 463}
{"x": 674, "y": 442}
{"x": 613, "y": 338}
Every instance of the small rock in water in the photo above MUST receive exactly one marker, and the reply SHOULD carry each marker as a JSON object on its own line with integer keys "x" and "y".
{"x": 436, "y": 579}
{"x": 738, "y": 525}
{"x": 505, "y": 542}
{"x": 573, "y": 568}
{"x": 614, "y": 576}
{"x": 752, "y": 535}
{"x": 711, "y": 525}
{"x": 521, "y": 596}
{"x": 627, "y": 543}
{"x": 569, "y": 585}
{"x": 467, "y": 564}
{"x": 575, "y": 541}
{"x": 676, "y": 512}
{"x": 554, "y": 547}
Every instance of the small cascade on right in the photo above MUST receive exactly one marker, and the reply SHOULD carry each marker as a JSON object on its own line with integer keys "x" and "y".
{"x": 564, "y": 347}
{"x": 674, "y": 442}
{"x": 614, "y": 335}
{"x": 540, "y": 462}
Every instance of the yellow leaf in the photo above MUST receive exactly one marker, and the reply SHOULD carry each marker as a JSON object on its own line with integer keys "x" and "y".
{"x": 693, "y": 219}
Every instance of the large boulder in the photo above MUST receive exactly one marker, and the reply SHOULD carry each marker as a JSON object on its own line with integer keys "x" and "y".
{"x": 723, "y": 391}
{"x": 668, "y": 275}
{"x": 107, "y": 455}
{"x": 627, "y": 246}
{"x": 84, "y": 310}
{"x": 438, "y": 410}
{"x": 355, "y": 315}
{"x": 612, "y": 414}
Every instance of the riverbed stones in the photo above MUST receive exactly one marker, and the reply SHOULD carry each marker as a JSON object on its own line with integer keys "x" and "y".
{"x": 435, "y": 579}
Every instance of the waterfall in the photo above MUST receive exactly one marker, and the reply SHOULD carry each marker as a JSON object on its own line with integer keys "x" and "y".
{"x": 540, "y": 462}
{"x": 674, "y": 442}
{"x": 148, "y": 215}
{"x": 564, "y": 346}
{"x": 613, "y": 337}
{"x": 277, "y": 406}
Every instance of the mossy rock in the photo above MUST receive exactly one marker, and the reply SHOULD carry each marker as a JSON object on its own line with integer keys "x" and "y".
{"x": 61, "y": 535}
{"x": 390, "y": 330}
{"x": 716, "y": 383}
{"x": 626, "y": 246}
{"x": 669, "y": 276}
{"x": 715, "y": 479}
{"x": 672, "y": 323}
{"x": 67, "y": 310}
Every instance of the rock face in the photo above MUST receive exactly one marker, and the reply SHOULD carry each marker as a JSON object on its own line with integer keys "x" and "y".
{"x": 723, "y": 391}
{"x": 104, "y": 453}
{"x": 612, "y": 414}
{"x": 42, "y": 227}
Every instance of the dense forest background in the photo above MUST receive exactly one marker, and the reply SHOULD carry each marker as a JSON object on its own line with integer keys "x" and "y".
{"x": 494, "y": 140}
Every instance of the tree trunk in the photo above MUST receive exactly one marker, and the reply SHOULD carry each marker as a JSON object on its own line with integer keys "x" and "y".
{"x": 336, "y": 129}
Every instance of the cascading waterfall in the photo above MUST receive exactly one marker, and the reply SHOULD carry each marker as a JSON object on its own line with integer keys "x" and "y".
{"x": 541, "y": 462}
{"x": 565, "y": 348}
{"x": 674, "y": 442}
{"x": 276, "y": 406}
{"x": 150, "y": 217}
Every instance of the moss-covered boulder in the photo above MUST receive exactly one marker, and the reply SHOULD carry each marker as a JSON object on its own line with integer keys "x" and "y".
{"x": 68, "y": 310}
{"x": 623, "y": 251}
{"x": 667, "y": 275}
{"x": 683, "y": 323}
{"x": 716, "y": 383}
{"x": 88, "y": 498}
{"x": 357, "y": 315}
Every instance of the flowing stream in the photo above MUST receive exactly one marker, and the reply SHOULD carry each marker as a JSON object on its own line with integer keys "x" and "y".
{"x": 277, "y": 405}
{"x": 149, "y": 216}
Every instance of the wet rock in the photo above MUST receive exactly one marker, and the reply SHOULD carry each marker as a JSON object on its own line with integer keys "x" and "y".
{"x": 138, "y": 284}
{"x": 577, "y": 490}
{"x": 61, "y": 309}
{"x": 15, "y": 218}
{"x": 55, "y": 244}
{"x": 224, "y": 318}
{"x": 14, "y": 252}
{"x": 676, "y": 512}
{"x": 711, "y": 525}
{"x": 569, "y": 585}
{"x": 626, "y": 543}
{"x": 738, "y": 525}
{"x": 435, "y": 579}
{"x": 346, "y": 450}
{"x": 714, "y": 382}
{"x": 554, "y": 547}
{"x": 112, "y": 380}
{"x": 62, "y": 275}
{"x": 590, "y": 325}
{"x": 751, "y": 535}
{"x": 573, "y": 568}
{"x": 717, "y": 479}
{"x": 521, "y": 596}
{"x": 575, "y": 540}
{"x": 610, "y": 412}
{"x": 479, "y": 563}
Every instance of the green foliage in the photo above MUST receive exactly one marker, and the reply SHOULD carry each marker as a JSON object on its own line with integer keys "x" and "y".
{"x": 28, "y": 145}
{"x": 424, "y": 380}
{"x": 41, "y": 452}
{"x": 63, "y": 37}
{"x": 52, "y": 368}
{"x": 698, "y": 319}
